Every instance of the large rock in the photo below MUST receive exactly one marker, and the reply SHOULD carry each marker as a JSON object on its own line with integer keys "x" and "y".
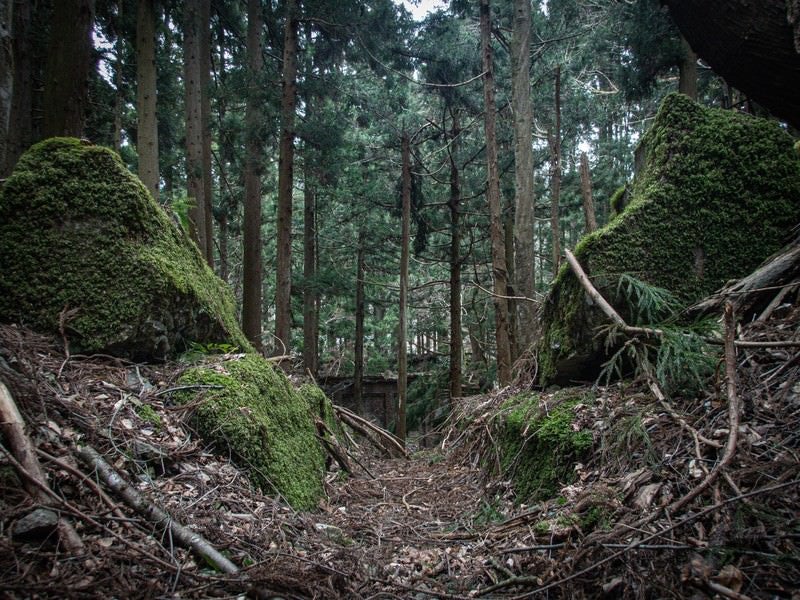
{"x": 84, "y": 245}
{"x": 250, "y": 412}
{"x": 717, "y": 192}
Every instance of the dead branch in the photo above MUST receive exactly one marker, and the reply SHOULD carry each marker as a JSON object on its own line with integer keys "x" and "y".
{"x": 386, "y": 442}
{"x": 33, "y": 478}
{"x": 331, "y": 445}
{"x": 144, "y": 507}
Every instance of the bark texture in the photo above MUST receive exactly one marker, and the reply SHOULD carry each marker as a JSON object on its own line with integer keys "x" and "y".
{"x": 147, "y": 132}
{"x": 310, "y": 313}
{"x": 499, "y": 270}
{"x": 402, "y": 354}
{"x": 6, "y": 74}
{"x": 555, "y": 176}
{"x": 358, "y": 369}
{"x": 283, "y": 275}
{"x": 750, "y": 44}
{"x": 251, "y": 285}
{"x": 456, "y": 342}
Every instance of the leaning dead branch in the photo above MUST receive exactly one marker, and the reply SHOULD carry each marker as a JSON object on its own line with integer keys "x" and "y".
{"x": 381, "y": 438}
{"x": 181, "y": 534}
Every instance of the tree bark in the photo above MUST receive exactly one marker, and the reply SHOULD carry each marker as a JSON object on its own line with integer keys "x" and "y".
{"x": 205, "y": 123}
{"x": 586, "y": 194}
{"x": 66, "y": 90}
{"x": 456, "y": 342}
{"x": 524, "y": 261}
{"x": 310, "y": 313}
{"x": 687, "y": 70}
{"x": 402, "y": 326}
{"x": 20, "y": 136}
{"x": 6, "y": 75}
{"x": 283, "y": 275}
{"x": 193, "y": 82}
{"x": 555, "y": 176}
{"x": 750, "y": 44}
{"x": 147, "y": 130}
{"x": 252, "y": 267}
{"x": 119, "y": 63}
{"x": 500, "y": 274}
{"x": 358, "y": 370}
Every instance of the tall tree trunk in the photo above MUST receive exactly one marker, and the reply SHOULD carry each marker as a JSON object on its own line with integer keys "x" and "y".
{"x": 252, "y": 268}
{"x": 524, "y": 263}
{"x": 147, "y": 131}
{"x": 310, "y": 314}
{"x": 193, "y": 83}
{"x": 555, "y": 176}
{"x": 119, "y": 96}
{"x": 20, "y": 135}
{"x": 503, "y": 351}
{"x": 402, "y": 326}
{"x": 205, "y": 119}
{"x": 6, "y": 75}
{"x": 687, "y": 69}
{"x": 586, "y": 194}
{"x": 283, "y": 275}
{"x": 226, "y": 154}
{"x": 66, "y": 90}
{"x": 358, "y": 370}
{"x": 456, "y": 342}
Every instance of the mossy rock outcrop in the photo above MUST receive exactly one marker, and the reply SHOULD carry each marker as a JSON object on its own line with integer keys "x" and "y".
{"x": 252, "y": 413}
{"x": 83, "y": 245}
{"x": 540, "y": 443}
{"x": 716, "y": 194}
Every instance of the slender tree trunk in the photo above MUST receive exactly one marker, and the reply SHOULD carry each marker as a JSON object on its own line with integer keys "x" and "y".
{"x": 205, "y": 119}
{"x": 147, "y": 131}
{"x": 524, "y": 263}
{"x": 358, "y": 371}
{"x": 456, "y": 343}
{"x": 310, "y": 314}
{"x": 493, "y": 195}
{"x": 283, "y": 275}
{"x": 586, "y": 194}
{"x": 687, "y": 69}
{"x": 66, "y": 90}
{"x": 193, "y": 83}
{"x": 119, "y": 96}
{"x": 555, "y": 177}
{"x": 226, "y": 154}
{"x": 6, "y": 75}
{"x": 402, "y": 326}
{"x": 252, "y": 268}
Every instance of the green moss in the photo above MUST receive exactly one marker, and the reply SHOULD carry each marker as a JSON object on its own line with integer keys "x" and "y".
{"x": 718, "y": 193}
{"x": 79, "y": 233}
{"x": 148, "y": 414}
{"x": 539, "y": 445}
{"x": 264, "y": 424}
{"x": 618, "y": 199}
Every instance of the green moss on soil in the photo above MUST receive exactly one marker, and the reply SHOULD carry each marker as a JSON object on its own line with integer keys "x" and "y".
{"x": 263, "y": 423}
{"x": 79, "y": 232}
{"x": 719, "y": 192}
{"x": 539, "y": 445}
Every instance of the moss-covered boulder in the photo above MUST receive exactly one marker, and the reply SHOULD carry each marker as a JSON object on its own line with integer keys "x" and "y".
{"x": 541, "y": 441}
{"x": 717, "y": 193}
{"x": 84, "y": 245}
{"x": 252, "y": 413}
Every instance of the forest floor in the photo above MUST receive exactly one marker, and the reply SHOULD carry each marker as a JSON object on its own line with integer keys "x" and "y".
{"x": 650, "y": 515}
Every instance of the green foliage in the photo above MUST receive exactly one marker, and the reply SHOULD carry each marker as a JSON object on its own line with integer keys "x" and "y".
{"x": 147, "y": 413}
{"x": 646, "y": 303}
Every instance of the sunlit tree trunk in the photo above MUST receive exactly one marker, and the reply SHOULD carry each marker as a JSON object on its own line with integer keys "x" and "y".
{"x": 586, "y": 195}
{"x": 119, "y": 96}
{"x": 193, "y": 82}
{"x": 500, "y": 275}
{"x": 283, "y": 274}
{"x": 524, "y": 262}
{"x": 147, "y": 129}
{"x": 402, "y": 326}
{"x": 252, "y": 269}
{"x": 454, "y": 204}
{"x": 66, "y": 90}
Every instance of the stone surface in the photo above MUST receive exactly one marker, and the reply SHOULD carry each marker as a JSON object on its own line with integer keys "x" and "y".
{"x": 85, "y": 249}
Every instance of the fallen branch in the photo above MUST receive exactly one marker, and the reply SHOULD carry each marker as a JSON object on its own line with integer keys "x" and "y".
{"x": 183, "y": 535}
{"x": 34, "y": 481}
{"x": 386, "y": 442}
{"x": 331, "y": 446}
